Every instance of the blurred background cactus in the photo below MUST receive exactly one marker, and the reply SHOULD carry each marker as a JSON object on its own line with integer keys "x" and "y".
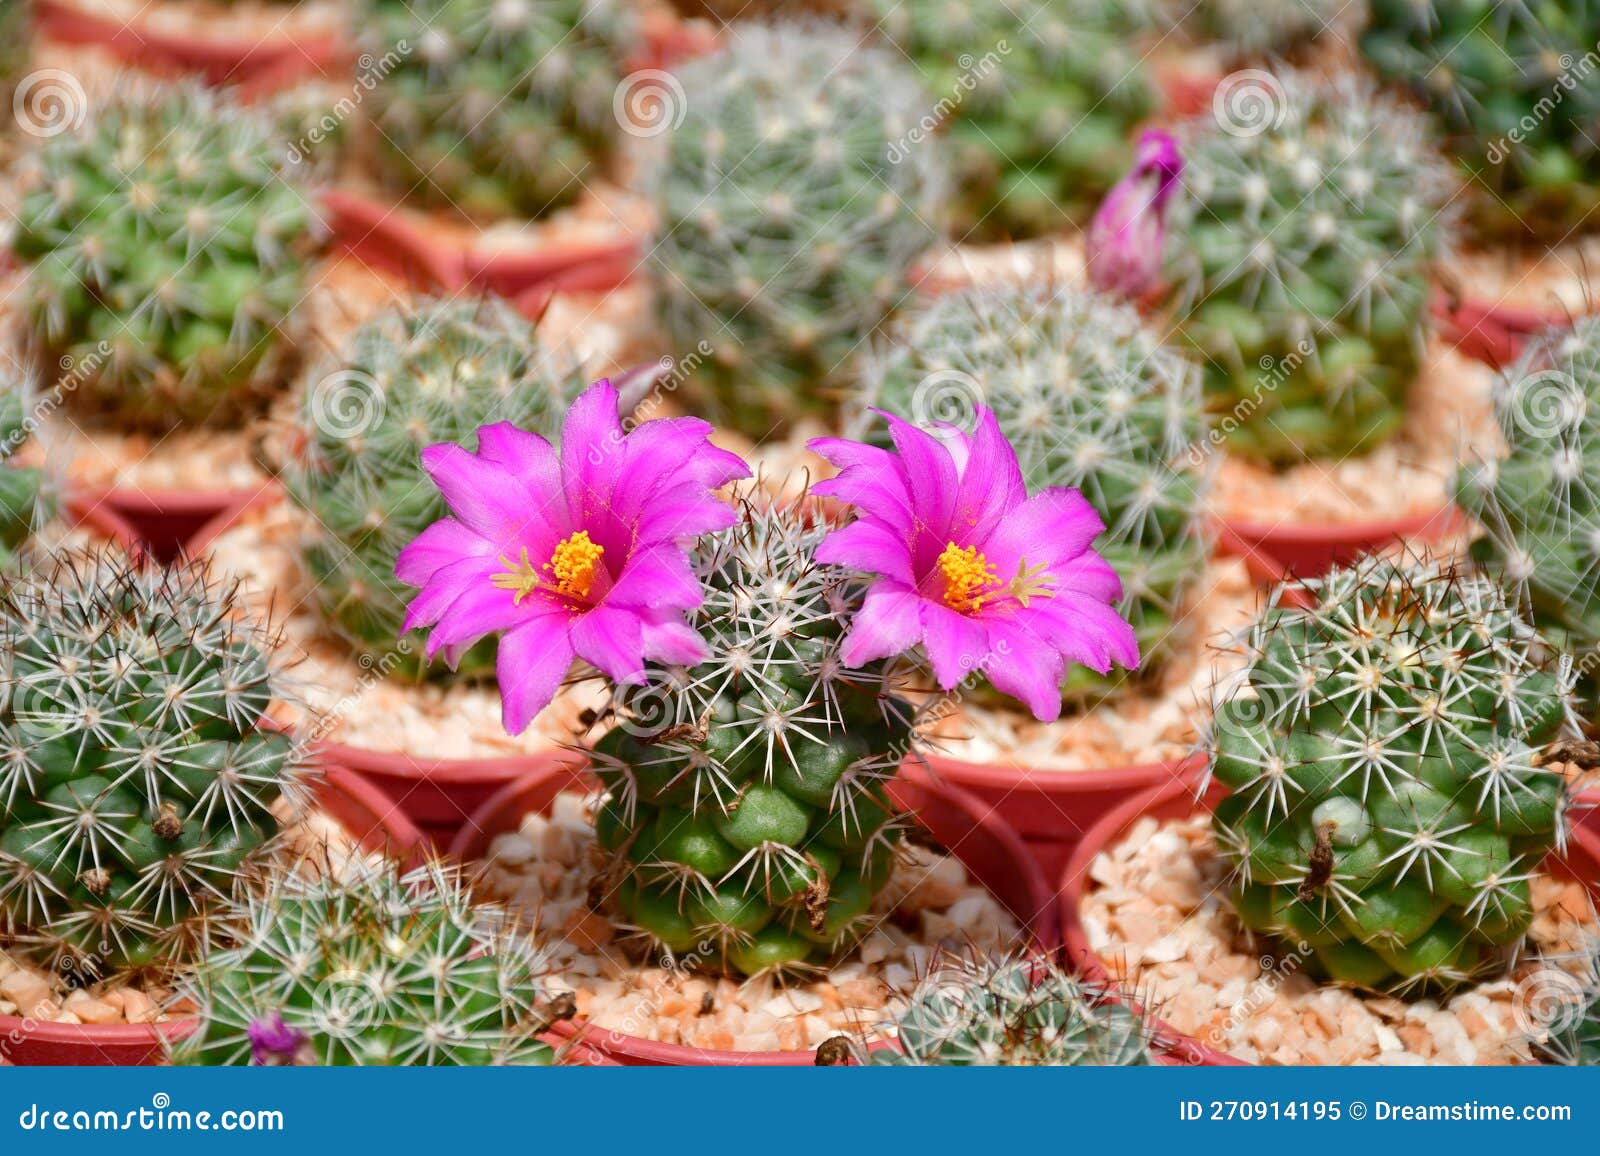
{"x": 410, "y": 378}
{"x": 27, "y": 490}
{"x": 1089, "y": 398}
{"x": 170, "y": 244}
{"x": 1539, "y": 504}
{"x": 369, "y": 967}
{"x": 788, "y": 224}
{"x": 747, "y": 815}
{"x": 1513, "y": 87}
{"x": 496, "y": 108}
{"x": 1251, "y": 29}
{"x": 137, "y": 778}
{"x": 1564, "y": 997}
{"x": 1037, "y": 100}
{"x": 1388, "y": 803}
{"x": 1015, "y": 1012}
{"x": 1301, "y": 251}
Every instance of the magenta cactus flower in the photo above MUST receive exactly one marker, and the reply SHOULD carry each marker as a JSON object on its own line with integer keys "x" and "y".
{"x": 1129, "y": 231}
{"x": 576, "y": 552}
{"x": 988, "y": 580}
{"x": 272, "y": 1041}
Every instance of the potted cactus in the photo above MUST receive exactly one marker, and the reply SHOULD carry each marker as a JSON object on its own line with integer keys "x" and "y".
{"x": 169, "y": 245}
{"x": 351, "y": 467}
{"x": 1508, "y": 87}
{"x": 1388, "y": 809}
{"x": 1090, "y": 399}
{"x": 1536, "y": 504}
{"x": 750, "y": 750}
{"x": 1008, "y": 1011}
{"x": 786, "y": 227}
{"x": 1295, "y": 239}
{"x": 1038, "y": 126}
{"x": 141, "y": 774}
{"x": 370, "y": 967}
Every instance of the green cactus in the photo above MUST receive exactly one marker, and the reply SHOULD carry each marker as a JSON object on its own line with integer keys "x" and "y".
{"x": 1301, "y": 253}
{"x": 408, "y": 379}
{"x": 27, "y": 498}
{"x": 1513, "y": 86}
{"x": 1037, "y": 100}
{"x": 369, "y": 967}
{"x": 1016, "y": 1012}
{"x": 747, "y": 818}
{"x": 787, "y": 229}
{"x": 1089, "y": 398}
{"x": 1564, "y": 999}
{"x": 169, "y": 244}
{"x": 496, "y": 107}
{"x": 1540, "y": 504}
{"x": 1388, "y": 805}
{"x": 137, "y": 775}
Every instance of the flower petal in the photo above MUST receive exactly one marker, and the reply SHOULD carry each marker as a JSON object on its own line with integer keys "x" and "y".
{"x": 530, "y": 664}
{"x": 956, "y": 645}
{"x": 888, "y": 623}
{"x": 442, "y": 544}
{"x": 482, "y": 493}
{"x": 613, "y": 641}
{"x": 867, "y": 544}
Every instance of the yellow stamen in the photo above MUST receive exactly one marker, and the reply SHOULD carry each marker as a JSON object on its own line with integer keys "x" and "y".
{"x": 573, "y": 564}
{"x": 966, "y": 576}
{"x": 1030, "y": 582}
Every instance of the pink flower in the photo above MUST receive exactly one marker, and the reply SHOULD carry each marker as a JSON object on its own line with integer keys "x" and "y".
{"x": 272, "y": 1041}
{"x": 985, "y": 578}
{"x": 1125, "y": 240}
{"x": 577, "y": 552}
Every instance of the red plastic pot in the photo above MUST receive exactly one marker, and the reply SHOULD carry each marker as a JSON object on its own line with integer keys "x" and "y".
{"x": 1051, "y": 810}
{"x": 100, "y": 519}
{"x": 220, "y": 60}
{"x": 1308, "y": 549}
{"x": 172, "y": 523}
{"x": 1179, "y": 800}
{"x": 990, "y": 849}
{"x": 393, "y": 238}
{"x": 1491, "y": 332}
{"x": 364, "y": 812}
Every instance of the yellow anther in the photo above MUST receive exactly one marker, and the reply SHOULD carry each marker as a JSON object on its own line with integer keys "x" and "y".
{"x": 572, "y": 565}
{"x": 966, "y": 577}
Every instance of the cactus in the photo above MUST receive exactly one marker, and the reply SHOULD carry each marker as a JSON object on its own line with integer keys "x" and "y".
{"x": 137, "y": 776}
{"x": 747, "y": 818}
{"x": 492, "y": 107}
{"x": 1016, "y": 1012}
{"x": 1301, "y": 250}
{"x": 1038, "y": 125}
{"x": 1513, "y": 88}
{"x": 367, "y": 966}
{"x": 408, "y": 379}
{"x": 27, "y": 498}
{"x": 786, "y": 229}
{"x": 1089, "y": 398}
{"x": 1540, "y": 504}
{"x": 169, "y": 245}
{"x": 1388, "y": 805}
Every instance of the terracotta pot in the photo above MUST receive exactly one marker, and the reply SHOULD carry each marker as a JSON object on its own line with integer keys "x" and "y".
{"x": 1178, "y": 800}
{"x": 1186, "y": 93}
{"x": 1308, "y": 549}
{"x": 172, "y": 523}
{"x": 1491, "y": 332}
{"x": 990, "y": 849}
{"x": 362, "y": 810}
{"x": 1051, "y": 810}
{"x": 220, "y": 60}
{"x": 394, "y": 238}
{"x": 100, "y": 519}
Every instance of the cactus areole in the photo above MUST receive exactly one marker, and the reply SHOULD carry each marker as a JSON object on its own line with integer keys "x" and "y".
{"x": 1385, "y": 755}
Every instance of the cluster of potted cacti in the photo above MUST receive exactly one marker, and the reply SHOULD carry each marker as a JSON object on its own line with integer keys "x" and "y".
{"x": 843, "y": 635}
